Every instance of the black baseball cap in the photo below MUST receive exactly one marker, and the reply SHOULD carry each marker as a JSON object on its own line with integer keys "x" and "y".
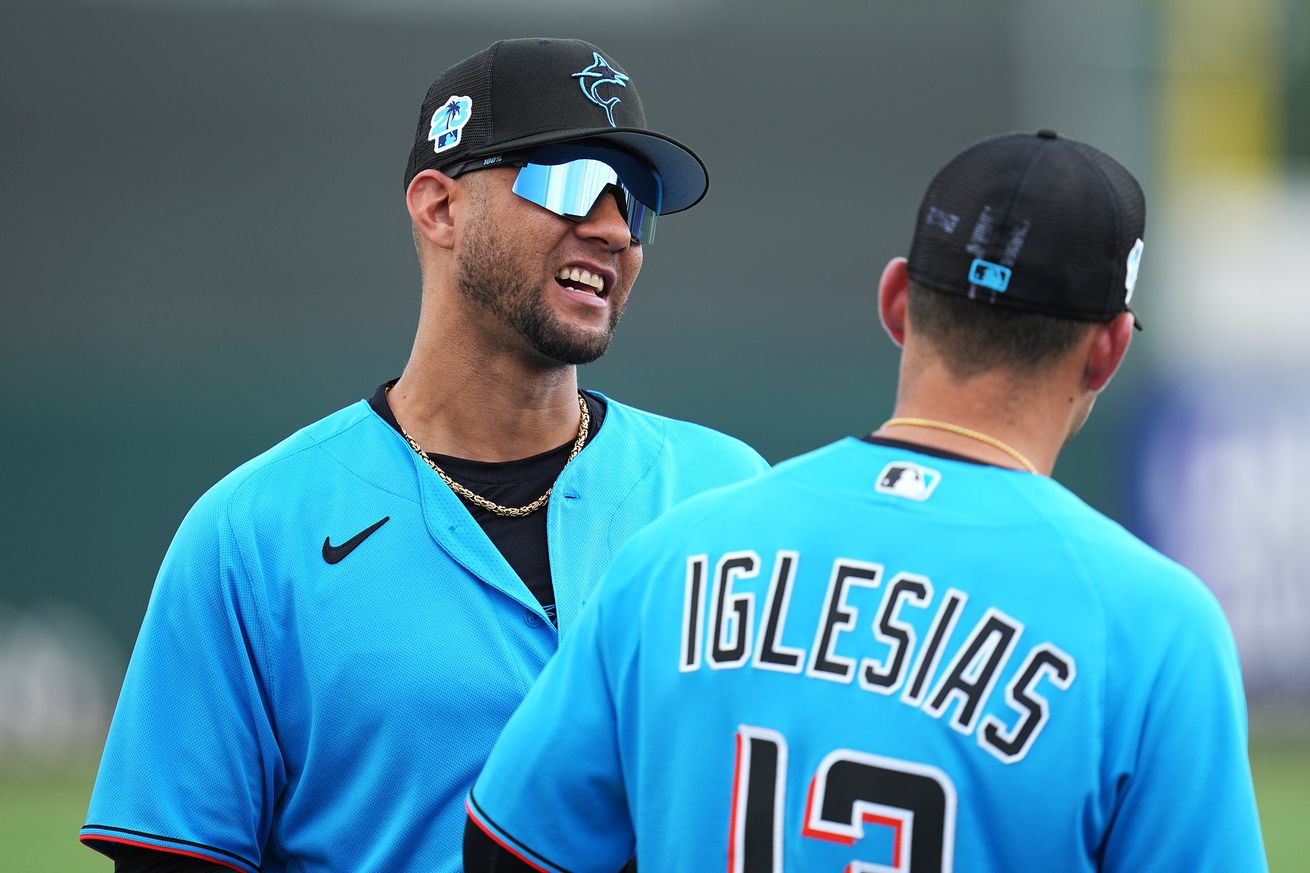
{"x": 517, "y": 94}
{"x": 1034, "y": 222}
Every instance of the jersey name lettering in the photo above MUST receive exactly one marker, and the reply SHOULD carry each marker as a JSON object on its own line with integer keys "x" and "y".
{"x": 726, "y": 626}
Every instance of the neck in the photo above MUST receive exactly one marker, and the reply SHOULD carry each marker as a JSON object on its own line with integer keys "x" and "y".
{"x": 1027, "y": 418}
{"x": 469, "y": 395}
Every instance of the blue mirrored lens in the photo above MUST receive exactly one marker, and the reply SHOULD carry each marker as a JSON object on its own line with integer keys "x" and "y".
{"x": 571, "y": 189}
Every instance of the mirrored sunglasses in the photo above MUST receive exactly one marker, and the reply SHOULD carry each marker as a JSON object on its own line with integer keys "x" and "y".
{"x": 568, "y": 179}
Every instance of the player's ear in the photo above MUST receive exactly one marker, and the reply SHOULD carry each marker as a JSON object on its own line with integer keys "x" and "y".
{"x": 893, "y": 299}
{"x": 1109, "y": 344}
{"x": 430, "y": 198}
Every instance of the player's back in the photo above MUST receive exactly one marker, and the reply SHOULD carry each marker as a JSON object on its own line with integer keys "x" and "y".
{"x": 875, "y": 659}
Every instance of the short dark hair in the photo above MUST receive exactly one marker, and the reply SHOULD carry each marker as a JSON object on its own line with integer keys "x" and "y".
{"x": 972, "y": 337}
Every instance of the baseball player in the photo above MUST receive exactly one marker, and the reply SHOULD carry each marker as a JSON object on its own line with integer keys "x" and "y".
{"x": 342, "y": 626}
{"x": 914, "y": 651}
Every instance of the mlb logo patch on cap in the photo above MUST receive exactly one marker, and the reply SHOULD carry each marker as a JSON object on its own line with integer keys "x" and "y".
{"x": 907, "y": 479}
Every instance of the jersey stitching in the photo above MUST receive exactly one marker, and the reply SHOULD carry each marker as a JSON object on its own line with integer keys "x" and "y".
{"x": 1085, "y": 577}
{"x": 660, "y": 425}
{"x": 655, "y": 458}
{"x": 609, "y": 682}
{"x": 322, "y": 445}
{"x": 283, "y": 454}
{"x": 267, "y": 656}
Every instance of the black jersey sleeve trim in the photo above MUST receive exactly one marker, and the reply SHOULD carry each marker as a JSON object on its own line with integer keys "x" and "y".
{"x": 145, "y": 834}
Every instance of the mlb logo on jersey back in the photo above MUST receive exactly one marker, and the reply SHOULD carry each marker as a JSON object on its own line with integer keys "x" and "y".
{"x": 907, "y": 479}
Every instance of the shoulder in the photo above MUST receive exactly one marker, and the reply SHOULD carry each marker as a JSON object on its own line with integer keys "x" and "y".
{"x": 294, "y": 474}
{"x": 683, "y": 440}
{"x": 744, "y": 501}
{"x": 745, "y": 506}
{"x": 1125, "y": 567}
{"x": 1154, "y": 612}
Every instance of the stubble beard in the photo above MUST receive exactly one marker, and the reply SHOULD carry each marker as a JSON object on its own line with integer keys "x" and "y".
{"x": 490, "y": 277}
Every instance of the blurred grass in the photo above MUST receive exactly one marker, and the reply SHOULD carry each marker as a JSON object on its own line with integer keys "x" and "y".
{"x": 1281, "y": 767}
{"x": 42, "y": 808}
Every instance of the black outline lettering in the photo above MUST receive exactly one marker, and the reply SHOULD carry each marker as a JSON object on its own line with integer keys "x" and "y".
{"x": 836, "y": 619}
{"x": 771, "y": 654}
{"x": 722, "y": 653}
{"x": 899, "y": 635}
{"x": 693, "y": 613}
{"x": 1013, "y": 745}
{"x": 973, "y": 672}
{"x": 943, "y": 624}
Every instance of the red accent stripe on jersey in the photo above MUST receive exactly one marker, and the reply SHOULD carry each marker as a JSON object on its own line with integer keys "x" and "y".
{"x": 495, "y": 838}
{"x": 895, "y": 823}
{"x": 89, "y": 839}
{"x": 732, "y": 818}
{"x": 820, "y": 835}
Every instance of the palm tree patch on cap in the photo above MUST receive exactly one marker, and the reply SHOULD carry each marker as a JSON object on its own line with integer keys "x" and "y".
{"x": 448, "y": 122}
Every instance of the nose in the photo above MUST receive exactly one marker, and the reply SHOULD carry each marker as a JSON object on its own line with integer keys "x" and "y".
{"x": 605, "y": 222}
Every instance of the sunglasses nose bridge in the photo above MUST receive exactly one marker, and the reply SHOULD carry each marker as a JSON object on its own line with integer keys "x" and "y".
{"x": 618, "y": 194}
{"x": 619, "y": 199}
{"x": 607, "y": 217}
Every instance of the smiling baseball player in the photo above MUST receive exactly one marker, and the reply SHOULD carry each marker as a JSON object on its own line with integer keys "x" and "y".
{"x": 342, "y": 626}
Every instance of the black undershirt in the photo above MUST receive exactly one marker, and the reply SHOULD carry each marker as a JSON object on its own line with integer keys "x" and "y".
{"x": 511, "y": 483}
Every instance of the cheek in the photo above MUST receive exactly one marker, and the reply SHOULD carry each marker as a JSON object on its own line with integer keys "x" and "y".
{"x": 630, "y": 265}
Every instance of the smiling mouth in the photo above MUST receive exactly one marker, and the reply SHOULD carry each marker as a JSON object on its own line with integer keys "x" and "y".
{"x": 578, "y": 279}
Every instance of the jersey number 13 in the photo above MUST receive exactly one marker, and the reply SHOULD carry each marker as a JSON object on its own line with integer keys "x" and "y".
{"x": 848, "y": 789}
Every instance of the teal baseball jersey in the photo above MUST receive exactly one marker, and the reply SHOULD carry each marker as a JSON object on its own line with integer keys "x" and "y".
{"x": 878, "y": 659}
{"x": 333, "y": 644}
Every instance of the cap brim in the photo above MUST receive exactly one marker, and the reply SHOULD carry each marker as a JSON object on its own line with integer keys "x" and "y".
{"x": 681, "y": 170}
{"x": 1137, "y": 319}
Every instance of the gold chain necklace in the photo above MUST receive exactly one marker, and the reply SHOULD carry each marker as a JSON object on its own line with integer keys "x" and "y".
{"x": 964, "y": 432}
{"x": 584, "y": 424}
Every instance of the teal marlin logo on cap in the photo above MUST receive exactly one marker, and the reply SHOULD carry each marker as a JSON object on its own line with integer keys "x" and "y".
{"x": 448, "y": 122}
{"x": 601, "y": 72}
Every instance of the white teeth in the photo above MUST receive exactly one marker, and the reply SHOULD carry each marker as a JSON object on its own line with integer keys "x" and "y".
{"x": 581, "y": 276}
